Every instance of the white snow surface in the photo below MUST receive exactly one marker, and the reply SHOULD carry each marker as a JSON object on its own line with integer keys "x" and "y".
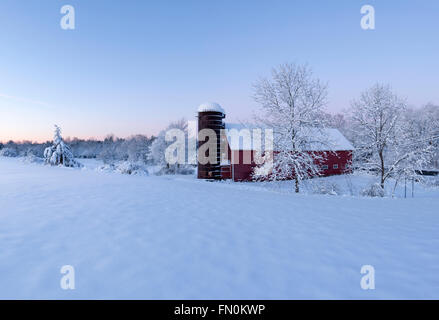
{"x": 148, "y": 237}
{"x": 210, "y": 106}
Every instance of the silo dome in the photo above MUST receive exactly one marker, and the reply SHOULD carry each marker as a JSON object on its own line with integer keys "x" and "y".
{"x": 210, "y": 107}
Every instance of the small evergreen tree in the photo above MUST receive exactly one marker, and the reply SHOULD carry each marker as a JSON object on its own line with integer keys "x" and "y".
{"x": 59, "y": 153}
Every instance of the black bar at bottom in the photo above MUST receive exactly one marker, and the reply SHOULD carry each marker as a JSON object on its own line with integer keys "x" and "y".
{"x": 218, "y": 309}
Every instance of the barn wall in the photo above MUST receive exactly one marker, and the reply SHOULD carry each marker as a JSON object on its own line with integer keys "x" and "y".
{"x": 338, "y": 162}
{"x": 226, "y": 172}
{"x": 341, "y": 158}
{"x": 242, "y": 171}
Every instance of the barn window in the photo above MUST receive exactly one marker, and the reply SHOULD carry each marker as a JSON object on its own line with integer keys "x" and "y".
{"x": 335, "y": 166}
{"x": 325, "y": 167}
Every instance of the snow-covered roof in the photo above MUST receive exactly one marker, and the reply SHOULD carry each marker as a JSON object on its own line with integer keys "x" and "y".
{"x": 235, "y": 141}
{"x": 337, "y": 140}
{"x": 210, "y": 106}
{"x": 326, "y": 139}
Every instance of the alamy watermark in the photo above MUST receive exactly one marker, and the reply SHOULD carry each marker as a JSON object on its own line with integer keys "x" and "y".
{"x": 243, "y": 146}
{"x": 368, "y": 19}
{"x": 67, "y": 21}
{"x": 68, "y": 279}
{"x": 368, "y": 280}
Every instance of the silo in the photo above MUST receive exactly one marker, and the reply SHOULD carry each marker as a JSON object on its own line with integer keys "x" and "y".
{"x": 210, "y": 116}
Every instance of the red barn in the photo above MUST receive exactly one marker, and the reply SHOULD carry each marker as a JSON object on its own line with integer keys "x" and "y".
{"x": 237, "y": 160}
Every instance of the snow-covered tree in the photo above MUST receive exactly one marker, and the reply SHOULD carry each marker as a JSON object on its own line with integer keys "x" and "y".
{"x": 137, "y": 148}
{"x": 158, "y": 148}
{"x": 111, "y": 149}
{"x": 59, "y": 153}
{"x": 160, "y": 145}
{"x": 420, "y": 141}
{"x": 291, "y": 103}
{"x": 387, "y": 141}
{"x": 337, "y": 120}
{"x": 426, "y": 124}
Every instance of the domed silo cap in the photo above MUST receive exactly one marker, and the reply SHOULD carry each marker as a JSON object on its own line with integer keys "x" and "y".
{"x": 210, "y": 107}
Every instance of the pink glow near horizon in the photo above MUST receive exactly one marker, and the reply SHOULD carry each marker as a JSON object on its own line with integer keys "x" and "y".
{"x": 18, "y": 136}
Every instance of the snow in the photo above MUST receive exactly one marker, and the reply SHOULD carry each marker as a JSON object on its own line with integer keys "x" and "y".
{"x": 169, "y": 237}
{"x": 333, "y": 138}
{"x": 210, "y": 106}
{"x": 243, "y": 142}
{"x": 337, "y": 140}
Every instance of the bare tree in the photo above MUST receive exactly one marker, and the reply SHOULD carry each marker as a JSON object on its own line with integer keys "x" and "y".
{"x": 387, "y": 140}
{"x": 291, "y": 103}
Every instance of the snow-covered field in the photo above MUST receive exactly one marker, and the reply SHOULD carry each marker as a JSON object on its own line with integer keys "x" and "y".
{"x": 180, "y": 238}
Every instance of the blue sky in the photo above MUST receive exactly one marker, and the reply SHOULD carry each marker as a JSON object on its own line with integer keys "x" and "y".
{"x": 132, "y": 66}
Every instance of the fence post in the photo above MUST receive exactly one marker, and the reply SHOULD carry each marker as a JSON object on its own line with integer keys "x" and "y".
{"x": 405, "y": 187}
{"x": 413, "y": 187}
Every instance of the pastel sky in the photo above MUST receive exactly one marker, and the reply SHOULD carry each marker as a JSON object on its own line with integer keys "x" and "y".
{"x": 133, "y": 66}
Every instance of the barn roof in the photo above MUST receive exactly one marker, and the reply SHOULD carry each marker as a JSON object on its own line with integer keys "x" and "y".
{"x": 326, "y": 139}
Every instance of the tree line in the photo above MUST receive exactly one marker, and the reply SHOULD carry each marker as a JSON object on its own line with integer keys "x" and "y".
{"x": 111, "y": 148}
